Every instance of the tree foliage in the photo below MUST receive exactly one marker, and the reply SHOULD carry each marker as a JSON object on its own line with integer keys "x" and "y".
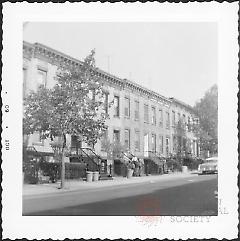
{"x": 114, "y": 150}
{"x": 182, "y": 143}
{"x": 180, "y": 133}
{"x": 75, "y": 105}
{"x": 207, "y": 111}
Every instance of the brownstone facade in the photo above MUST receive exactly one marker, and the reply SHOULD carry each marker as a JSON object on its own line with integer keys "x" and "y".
{"x": 140, "y": 119}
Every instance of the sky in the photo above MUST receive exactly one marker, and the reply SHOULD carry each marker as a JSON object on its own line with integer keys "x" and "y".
{"x": 174, "y": 59}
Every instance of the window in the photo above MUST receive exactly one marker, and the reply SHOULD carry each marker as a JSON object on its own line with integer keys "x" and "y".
{"x": 160, "y": 118}
{"x": 179, "y": 144}
{"x": 184, "y": 118}
{"x": 197, "y": 121}
{"x": 153, "y": 142}
{"x": 189, "y": 124}
{"x": 137, "y": 140}
{"x": 106, "y": 103}
{"x": 127, "y": 139}
{"x": 167, "y": 145}
{"x": 136, "y": 112}
{"x": 167, "y": 120}
{"x": 104, "y": 140}
{"x": 161, "y": 144}
{"x": 174, "y": 144}
{"x": 184, "y": 121}
{"x": 194, "y": 150}
{"x": 184, "y": 144}
{"x": 153, "y": 115}
{"x": 116, "y": 106}
{"x": 75, "y": 144}
{"x": 38, "y": 138}
{"x": 24, "y": 81}
{"x": 127, "y": 107}
{"x": 116, "y": 136}
{"x": 41, "y": 77}
{"x": 173, "y": 118}
{"x": 179, "y": 117}
{"x": 92, "y": 94}
{"x": 146, "y": 113}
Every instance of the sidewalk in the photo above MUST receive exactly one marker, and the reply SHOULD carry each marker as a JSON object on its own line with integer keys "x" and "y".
{"x": 74, "y": 185}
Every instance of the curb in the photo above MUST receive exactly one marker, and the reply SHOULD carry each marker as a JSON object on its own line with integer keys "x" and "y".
{"x": 84, "y": 186}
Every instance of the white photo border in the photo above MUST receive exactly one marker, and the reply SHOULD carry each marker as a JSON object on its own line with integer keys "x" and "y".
{"x": 17, "y": 226}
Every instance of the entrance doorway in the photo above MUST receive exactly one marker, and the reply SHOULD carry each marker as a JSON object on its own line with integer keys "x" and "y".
{"x": 145, "y": 147}
{"x": 76, "y": 144}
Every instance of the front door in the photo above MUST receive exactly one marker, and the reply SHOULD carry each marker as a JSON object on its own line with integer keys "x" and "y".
{"x": 167, "y": 146}
{"x": 145, "y": 150}
{"x": 75, "y": 145}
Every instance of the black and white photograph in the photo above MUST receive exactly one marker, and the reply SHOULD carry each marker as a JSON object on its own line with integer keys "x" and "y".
{"x": 139, "y": 141}
{"x": 122, "y": 119}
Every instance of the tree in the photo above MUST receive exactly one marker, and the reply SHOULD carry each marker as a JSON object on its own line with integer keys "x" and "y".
{"x": 74, "y": 106}
{"x": 180, "y": 134}
{"x": 114, "y": 150}
{"x": 207, "y": 111}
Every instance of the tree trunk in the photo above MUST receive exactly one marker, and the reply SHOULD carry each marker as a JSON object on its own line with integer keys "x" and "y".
{"x": 63, "y": 171}
{"x": 63, "y": 162}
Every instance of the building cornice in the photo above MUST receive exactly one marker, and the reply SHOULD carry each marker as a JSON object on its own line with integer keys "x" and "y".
{"x": 58, "y": 58}
{"x": 182, "y": 104}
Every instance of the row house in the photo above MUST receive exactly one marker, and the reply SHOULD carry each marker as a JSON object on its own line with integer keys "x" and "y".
{"x": 140, "y": 119}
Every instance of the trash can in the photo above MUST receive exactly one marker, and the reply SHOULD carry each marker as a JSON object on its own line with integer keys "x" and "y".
{"x": 129, "y": 173}
{"x": 95, "y": 176}
{"x": 184, "y": 169}
{"x": 89, "y": 176}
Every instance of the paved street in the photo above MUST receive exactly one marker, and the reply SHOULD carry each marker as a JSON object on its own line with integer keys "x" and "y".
{"x": 187, "y": 195}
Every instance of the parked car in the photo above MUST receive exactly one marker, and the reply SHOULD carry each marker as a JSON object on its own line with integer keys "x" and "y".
{"x": 210, "y": 165}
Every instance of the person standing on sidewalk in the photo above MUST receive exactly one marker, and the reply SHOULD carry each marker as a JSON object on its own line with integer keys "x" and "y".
{"x": 135, "y": 162}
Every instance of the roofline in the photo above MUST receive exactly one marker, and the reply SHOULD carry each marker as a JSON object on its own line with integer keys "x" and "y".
{"x": 179, "y": 102}
{"x": 108, "y": 75}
